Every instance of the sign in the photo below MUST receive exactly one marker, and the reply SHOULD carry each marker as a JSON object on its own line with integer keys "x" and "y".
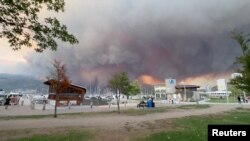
{"x": 170, "y": 85}
{"x": 228, "y": 132}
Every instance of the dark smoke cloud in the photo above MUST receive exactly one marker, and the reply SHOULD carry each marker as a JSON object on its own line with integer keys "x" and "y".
{"x": 162, "y": 38}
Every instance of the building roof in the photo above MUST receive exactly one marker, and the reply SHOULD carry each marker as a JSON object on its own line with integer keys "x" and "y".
{"x": 51, "y": 81}
{"x": 186, "y": 86}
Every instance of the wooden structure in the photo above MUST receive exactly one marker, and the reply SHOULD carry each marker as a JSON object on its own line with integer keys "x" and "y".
{"x": 69, "y": 93}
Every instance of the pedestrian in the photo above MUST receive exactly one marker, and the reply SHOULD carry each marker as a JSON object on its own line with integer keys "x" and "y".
{"x": 109, "y": 103}
{"x": 239, "y": 99}
{"x": 243, "y": 99}
{"x": 44, "y": 102}
{"x": 7, "y": 102}
{"x": 91, "y": 104}
{"x": 69, "y": 104}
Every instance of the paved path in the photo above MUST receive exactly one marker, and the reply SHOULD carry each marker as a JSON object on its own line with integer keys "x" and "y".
{"x": 26, "y": 110}
{"x": 102, "y": 122}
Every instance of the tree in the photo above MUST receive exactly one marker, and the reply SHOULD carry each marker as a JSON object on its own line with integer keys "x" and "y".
{"x": 242, "y": 81}
{"x": 59, "y": 81}
{"x": 21, "y": 26}
{"x": 235, "y": 91}
{"x": 120, "y": 84}
{"x": 134, "y": 88}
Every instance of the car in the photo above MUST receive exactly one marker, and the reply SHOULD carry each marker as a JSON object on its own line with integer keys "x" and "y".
{"x": 247, "y": 99}
{"x": 86, "y": 97}
{"x": 2, "y": 99}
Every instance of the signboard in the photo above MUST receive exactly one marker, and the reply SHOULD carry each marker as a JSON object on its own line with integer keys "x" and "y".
{"x": 170, "y": 85}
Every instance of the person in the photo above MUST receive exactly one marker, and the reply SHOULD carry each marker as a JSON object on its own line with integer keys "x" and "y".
{"x": 7, "y": 102}
{"x": 91, "y": 104}
{"x": 44, "y": 102}
{"x": 239, "y": 99}
{"x": 69, "y": 104}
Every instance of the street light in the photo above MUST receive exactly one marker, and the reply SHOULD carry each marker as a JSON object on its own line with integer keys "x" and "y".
{"x": 227, "y": 94}
{"x": 185, "y": 92}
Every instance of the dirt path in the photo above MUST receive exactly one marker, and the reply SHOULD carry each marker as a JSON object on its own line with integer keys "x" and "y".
{"x": 107, "y": 121}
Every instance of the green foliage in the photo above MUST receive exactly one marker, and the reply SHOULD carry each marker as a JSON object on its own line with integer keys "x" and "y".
{"x": 231, "y": 99}
{"x": 120, "y": 82}
{"x": 134, "y": 88}
{"x": 21, "y": 26}
{"x": 235, "y": 91}
{"x": 242, "y": 82}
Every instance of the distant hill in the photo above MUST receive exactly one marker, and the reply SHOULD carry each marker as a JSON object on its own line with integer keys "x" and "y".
{"x": 10, "y": 82}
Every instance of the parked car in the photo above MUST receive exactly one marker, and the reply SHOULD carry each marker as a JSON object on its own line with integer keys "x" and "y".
{"x": 123, "y": 99}
{"x": 2, "y": 99}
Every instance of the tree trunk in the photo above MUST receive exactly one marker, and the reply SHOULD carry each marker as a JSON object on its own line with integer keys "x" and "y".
{"x": 55, "y": 113}
{"x": 118, "y": 100}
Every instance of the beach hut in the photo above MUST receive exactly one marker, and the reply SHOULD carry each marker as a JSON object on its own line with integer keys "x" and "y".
{"x": 70, "y": 94}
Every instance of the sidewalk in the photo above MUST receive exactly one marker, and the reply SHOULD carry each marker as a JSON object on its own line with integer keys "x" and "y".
{"x": 27, "y": 110}
{"x": 18, "y": 110}
{"x": 49, "y": 110}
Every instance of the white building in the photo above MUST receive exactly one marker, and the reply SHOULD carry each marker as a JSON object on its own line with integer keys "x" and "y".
{"x": 219, "y": 93}
{"x": 234, "y": 75}
{"x": 170, "y": 85}
{"x": 160, "y": 91}
{"x": 164, "y": 89}
{"x": 221, "y": 85}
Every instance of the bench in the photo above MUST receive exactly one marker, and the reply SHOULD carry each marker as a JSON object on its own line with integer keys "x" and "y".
{"x": 142, "y": 104}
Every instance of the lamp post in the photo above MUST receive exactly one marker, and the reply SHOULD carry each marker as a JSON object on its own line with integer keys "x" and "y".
{"x": 185, "y": 93}
{"x": 227, "y": 93}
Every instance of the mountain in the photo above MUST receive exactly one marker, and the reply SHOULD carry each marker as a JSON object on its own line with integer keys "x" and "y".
{"x": 11, "y": 82}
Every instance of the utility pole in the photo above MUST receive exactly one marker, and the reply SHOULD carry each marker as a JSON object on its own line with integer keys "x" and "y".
{"x": 227, "y": 93}
{"x": 185, "y": 92}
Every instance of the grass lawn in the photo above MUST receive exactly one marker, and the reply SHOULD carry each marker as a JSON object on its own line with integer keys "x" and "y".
{"x": 145, "y": 111}
{"x": 194, "y": 106}
{"x": 195, "y": 128}
{"x": 72, "y": 135}
{"x": 223, "y": 100}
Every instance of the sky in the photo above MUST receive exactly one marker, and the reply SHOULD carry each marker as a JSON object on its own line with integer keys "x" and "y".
{"x": 150, "y": 39}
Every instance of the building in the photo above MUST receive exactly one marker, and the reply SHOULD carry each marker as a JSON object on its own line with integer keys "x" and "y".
{"x": 185, "y": 92}
{"x": 219, "y": 94}
{"x": 234, "y": 75}
{"x": 170, "y": 85}
{"x": 70, "y": 94}
{"x": 221, "y": 85}
{"x": 160, "y": 91}
{"x": 180, "y": 92}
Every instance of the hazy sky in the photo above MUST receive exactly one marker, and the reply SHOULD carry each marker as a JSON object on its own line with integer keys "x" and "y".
{"x": 150, "y": 39}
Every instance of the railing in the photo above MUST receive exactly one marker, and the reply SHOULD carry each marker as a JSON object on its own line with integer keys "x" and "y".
{"x": 63, "y": 96}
